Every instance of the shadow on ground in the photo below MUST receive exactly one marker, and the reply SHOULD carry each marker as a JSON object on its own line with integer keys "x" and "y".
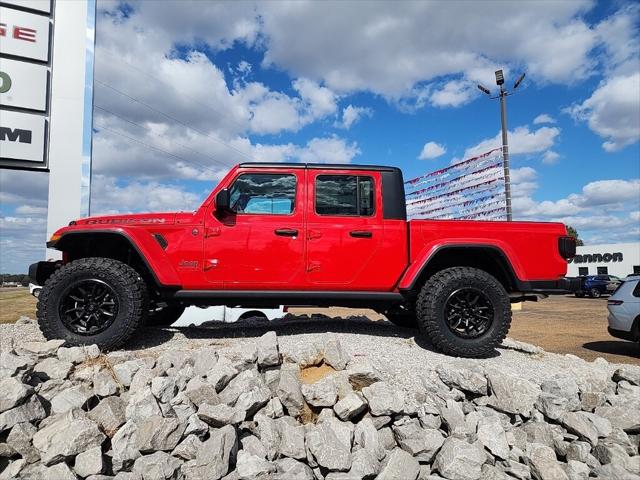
{"x": 614, "y": 347}
{"x": 287, "y": 326}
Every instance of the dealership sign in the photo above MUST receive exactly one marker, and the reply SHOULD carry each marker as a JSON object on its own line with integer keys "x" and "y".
{"x": 25, "y": 66}
{"x": 597, "y": 258}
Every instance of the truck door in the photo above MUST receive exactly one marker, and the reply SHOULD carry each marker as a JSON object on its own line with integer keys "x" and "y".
{"x": 344, "y": 230}
{"x": 260, "y": 244}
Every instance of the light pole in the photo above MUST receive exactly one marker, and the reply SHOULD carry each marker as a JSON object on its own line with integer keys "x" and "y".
{"x": 502, "y": 95}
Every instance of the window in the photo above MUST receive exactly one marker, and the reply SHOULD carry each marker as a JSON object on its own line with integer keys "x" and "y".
{"x": 583, "y": 271}
{"x": 636, "y": 290}
{"x": 603, "y": 271}
{"x": 636, "y": 269}
{"x": 345, "y": 195}
{"x": 264, "y": 193}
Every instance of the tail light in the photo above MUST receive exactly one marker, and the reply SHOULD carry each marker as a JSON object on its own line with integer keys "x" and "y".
{"x": 285, "y": 309}
{"x": 615, "y": 302}
{"x": 567, "y": 247}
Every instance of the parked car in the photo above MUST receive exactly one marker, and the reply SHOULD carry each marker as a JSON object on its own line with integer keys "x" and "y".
{"x": 34, "y": 289}
{"x": 597, "y": 285}
{"x": 194, "y": 316}
{"x": 624, "y": 310}
{"x": 316, "y": 235}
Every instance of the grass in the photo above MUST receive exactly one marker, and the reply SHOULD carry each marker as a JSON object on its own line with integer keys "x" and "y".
{"x": 15, "y": 302}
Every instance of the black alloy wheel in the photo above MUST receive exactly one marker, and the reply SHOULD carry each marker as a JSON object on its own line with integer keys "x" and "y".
{"x": 88, "y": 306}
{"x": 469, "y": 312}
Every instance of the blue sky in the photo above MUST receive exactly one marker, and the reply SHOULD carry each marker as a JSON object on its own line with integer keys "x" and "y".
{"x": 185, "y": 91}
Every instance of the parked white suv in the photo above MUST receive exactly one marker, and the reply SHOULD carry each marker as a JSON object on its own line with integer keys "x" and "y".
{"x": 624, "y": 310}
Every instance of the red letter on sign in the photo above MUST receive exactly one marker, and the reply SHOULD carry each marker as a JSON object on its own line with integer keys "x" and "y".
{"x": 22, "y": 33}
{"x": 3, "y": 29}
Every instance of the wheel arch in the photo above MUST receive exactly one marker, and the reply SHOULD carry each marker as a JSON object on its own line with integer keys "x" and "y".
{"x": 488, "y": 258}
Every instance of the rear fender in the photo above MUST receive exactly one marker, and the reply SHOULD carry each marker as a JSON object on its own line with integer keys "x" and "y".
{"x": 151, "y": 253}
{"x": 507, "y": 263}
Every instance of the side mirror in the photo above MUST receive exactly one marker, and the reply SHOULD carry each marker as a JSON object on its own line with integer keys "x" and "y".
{"x": 223, "y": 201}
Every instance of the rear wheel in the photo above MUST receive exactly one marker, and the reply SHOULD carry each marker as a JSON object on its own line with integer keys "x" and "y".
{"x": 164, "y": 317}
{"x": 464, "y": 311}
{"x": 594, "y": 293}
{"x": 93, "y": 300}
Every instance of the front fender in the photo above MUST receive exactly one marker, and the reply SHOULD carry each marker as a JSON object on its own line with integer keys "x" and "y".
{"x": 140, "y": 240}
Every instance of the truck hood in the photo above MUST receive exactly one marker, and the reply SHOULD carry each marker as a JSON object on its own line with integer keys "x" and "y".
{"x": 168, "y": 218}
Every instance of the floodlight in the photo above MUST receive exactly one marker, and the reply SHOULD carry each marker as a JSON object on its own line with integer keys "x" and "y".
{"x": 484, "y": 89}
{"x": 499, "y": 77}
{"x": 518, "y": 81}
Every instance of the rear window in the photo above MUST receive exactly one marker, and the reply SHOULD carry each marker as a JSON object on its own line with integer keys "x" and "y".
{"x": 636, "y": 291}
{"x": 349, "y": 195}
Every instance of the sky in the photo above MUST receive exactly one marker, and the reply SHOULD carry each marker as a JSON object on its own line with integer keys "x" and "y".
{"x": 185, "y": 91}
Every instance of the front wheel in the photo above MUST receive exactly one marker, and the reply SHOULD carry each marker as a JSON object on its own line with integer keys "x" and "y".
{"x": 464, "y": 311}
{"x": 594, "y": 293}
{"x": 93, "y": 300}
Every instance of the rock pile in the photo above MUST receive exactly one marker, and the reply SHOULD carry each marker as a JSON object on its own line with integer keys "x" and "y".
{"x": 315, "y": 413}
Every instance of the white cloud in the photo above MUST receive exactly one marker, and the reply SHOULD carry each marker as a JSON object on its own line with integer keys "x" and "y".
{"x": 352, "y": 115}
{"x": 522, "y": 140}
{"x": 328, "y": 150}
{"x": 454, "y": 93}
{"x": 392, "y": 50}
{"x": 550, "y": 157}
{"x": 613, "y": 111}
{"x": 543, "y": 118}
{"x": 604, "y": 205}
{"x": 432, "y": 150}
{"x": 31, "y": 210}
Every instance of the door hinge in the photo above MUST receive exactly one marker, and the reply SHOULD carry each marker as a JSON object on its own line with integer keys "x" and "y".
{"x": 314, "y": 234}
{"x": 210, "y": 263}
{"x": 313, "y": 266}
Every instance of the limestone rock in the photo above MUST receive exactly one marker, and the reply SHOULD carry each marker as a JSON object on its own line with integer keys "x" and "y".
{"x": 464, "y": 379}
{"x": 157, "y": 466}
{"x": 12, "y": 393}
{"x": 220, "y": 415}
{"x": 89, "y": 462}
{"x": 158, "y": 433}
{"x": 322, "y": 393}
{"x": 543, "y": 463}
{"x": 252, "y": 467}
{"x": 459, "y": 460}
{"x": 350, "y": 406}
{"x": 328, "y": 446}
{"x": 383, "y": 399}
{"x": 268, "y": 350}
{"x": 399, "y": 465}
{"x": 334, "y": 355}
{"x": 512, "y": 394}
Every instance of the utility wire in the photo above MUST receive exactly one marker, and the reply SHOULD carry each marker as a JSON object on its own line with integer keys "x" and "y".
{"x": 170, "y": 117}
{"x": 147, "y": 129}
{"x": 196, "y": 101}
{"x": 178, "y": 157}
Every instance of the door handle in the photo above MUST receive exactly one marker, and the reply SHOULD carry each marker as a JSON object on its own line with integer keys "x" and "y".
{"x": 286, "y": 232}
{"x": 361, "y": 234}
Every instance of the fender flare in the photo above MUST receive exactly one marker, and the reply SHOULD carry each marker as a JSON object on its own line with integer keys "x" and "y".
{"x": 505, "y": 264}
{"x": 167, "y": 279}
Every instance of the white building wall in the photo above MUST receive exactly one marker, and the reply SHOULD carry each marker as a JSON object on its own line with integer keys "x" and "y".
{"x": 606, "y": 256}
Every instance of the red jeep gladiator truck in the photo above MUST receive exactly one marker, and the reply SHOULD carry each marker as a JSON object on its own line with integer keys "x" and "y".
{"x": 295, "y": 234}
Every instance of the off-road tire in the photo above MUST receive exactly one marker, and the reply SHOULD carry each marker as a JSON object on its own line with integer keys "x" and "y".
{"x": 430, "y": 312}
{"x": 165, "y": 316}
{"x": 595, "y": 293}
{"x": 128, "y": 285}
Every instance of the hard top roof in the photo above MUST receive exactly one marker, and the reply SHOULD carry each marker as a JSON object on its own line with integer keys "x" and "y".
{"x": 317, "y": 166}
